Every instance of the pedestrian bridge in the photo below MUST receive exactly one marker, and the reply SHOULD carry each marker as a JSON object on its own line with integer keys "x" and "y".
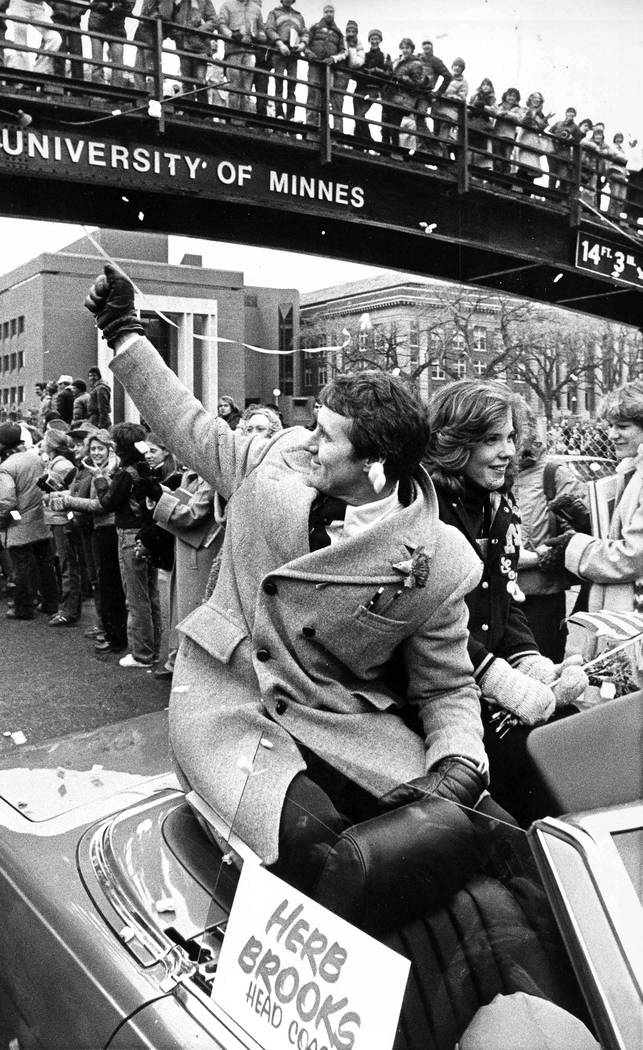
{"x": 80, "y": 152}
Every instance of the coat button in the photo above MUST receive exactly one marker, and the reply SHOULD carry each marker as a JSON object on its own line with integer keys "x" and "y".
{"x": 485, "y": 626}
{"x": 263, "y": 655}
{"x": 281, "y": 707}
{"x": 485, "y": 585}
{"x": 269, "y": 587}
{"x": 308, "y": 632}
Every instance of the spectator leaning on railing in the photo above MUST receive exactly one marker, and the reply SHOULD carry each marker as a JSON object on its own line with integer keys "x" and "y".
{"x": 33, "y": 11}
{"x": 190, "y": 15}
{"x": 346, "y": 71}
{"x": 107, "y": 19}
{"x": 326, "y": 45}
{"x": 507, "y": 114}
{"x": 145, "y": 39}
{"x": 287, "y": 33}
{"x": 375, "y": 71}
{"x": 241, "y": 26}
{"x": 434, "y": 70}
{"x": 67, "y": 16}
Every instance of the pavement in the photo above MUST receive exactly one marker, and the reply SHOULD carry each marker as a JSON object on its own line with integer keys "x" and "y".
{"x": 53, "y": 683}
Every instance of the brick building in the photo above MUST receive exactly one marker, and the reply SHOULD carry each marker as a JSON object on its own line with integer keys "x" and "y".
{"x": 44, "y": 330}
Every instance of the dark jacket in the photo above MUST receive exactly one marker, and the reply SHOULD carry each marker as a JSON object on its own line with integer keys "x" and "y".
{"x": 497, "y": 624}
{"x": 377, "y": 66}
{"x": 112, "y": 12}
{"x": 64, "y": 402}
{"x": 325, "y": 41}
{"x": 189, "y": 15}
{"x": 100, "y": 399}
{"x": 118, "y": 497}
{"x": 66, "y": 14}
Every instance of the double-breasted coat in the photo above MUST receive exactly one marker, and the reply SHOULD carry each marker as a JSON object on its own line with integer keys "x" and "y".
{"x": 287, "y": 649}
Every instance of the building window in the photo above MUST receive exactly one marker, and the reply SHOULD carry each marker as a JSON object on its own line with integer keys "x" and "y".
{"x": 437, "y": 371}
{"x": 461, "y": 368}
{"x": 13, "y": 362}
{"x": 414, "y": 342}
{"x": 362, "y": 340}
{"x": 479, "y": 338}
{"x": 21, "y": 394}
{"x": 5, "y": 330}
{"x": 13, "y": 326}
{"x": 21, "y": 325}
{"x": 21, "y": 359}
{"x": 5, "y": 363}
{"x": 459, "y": 342}
{"x": 478, "y": 368}
{"x": 308, "y": 378}
{"x": 322, "y": 375}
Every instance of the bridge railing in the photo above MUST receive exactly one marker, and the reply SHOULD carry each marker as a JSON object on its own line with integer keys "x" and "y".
{"x": 198, "y": 77}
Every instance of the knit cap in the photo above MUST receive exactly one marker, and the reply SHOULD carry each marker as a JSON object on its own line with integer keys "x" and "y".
{"x": 377, "y": 33}
{"x": 351, "y": 24}
{"x": 102, "y": 436}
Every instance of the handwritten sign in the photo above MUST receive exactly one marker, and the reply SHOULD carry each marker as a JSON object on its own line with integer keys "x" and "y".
{"x": 293, "y": 975}
{"x": 600, "y": 256}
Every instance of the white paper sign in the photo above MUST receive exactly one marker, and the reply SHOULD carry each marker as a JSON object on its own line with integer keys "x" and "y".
{"x": 296, "y": 977}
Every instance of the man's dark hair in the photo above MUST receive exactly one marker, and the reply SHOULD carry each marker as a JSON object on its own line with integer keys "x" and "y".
{"x": 389, "y": 421}
{"x": 80, "y": 385}
{"x": 94, "y": 371}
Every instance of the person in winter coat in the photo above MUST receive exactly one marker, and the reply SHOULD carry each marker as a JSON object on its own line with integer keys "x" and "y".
{"x": 241, "y": 26}
{"x": 138, "y": 575}
{"x": 296, "y": 644}
{"x": 408, "y": 80}
{"x": 507, "y": 115}
{"x": 145, "y": 38}
{"x": 57, "y": 451}
{"x": 474, "y": 428}
{"x": 50, "y": 38}
{"x": 614, "y": 565}
{"x": 229, "y": 411}
{"x": 435, "y": 70}
{"x": 548, "y": 494}
{"x": 64, "y": 399}
{"x": 25, "y": 534}
{"x": 344, "y": 72}
{"x": 446, "y": 116}
{"x": 81, "y": 401}
{"x": 188, "y": 16}
{"x": 106, "y": 20}
{"x": 531, "y": 143}
{"x": 109, "y": 596}
{"x": 67, "y": 17}
{"x": 375, "y": 71}
{"x": 326, "y": 47}
{"x": 286, "y": 32}
{"x": 481, "y": 107}
{"x": 100, "y": 400}
{"x": 564, "y": 133}
{"x": 616, "y": 174}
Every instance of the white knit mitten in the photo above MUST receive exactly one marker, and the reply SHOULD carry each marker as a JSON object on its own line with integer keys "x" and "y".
{"x": 572, "y": 679}
{"x": 526, "y": 697}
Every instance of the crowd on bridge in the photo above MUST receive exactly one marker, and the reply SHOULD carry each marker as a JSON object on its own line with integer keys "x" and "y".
{"x": 414, "y": 99}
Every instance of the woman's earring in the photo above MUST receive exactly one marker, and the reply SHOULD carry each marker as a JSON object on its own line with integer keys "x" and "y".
{"x": 376, "y": 476}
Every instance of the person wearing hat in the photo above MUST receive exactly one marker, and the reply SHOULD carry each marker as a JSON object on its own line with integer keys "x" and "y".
{"x": 100, "y": 400}
{"x": 25, "y": 534}
{"x": 435, "y": 71}
{"x": 101, "y": 464}
{"x": 64, "y": 399}
{"x": 376, "y": 70}
{"x": 345, "y": 72}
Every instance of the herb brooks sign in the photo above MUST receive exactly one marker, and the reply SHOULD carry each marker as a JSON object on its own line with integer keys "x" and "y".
{"x": 296, "y": 977}
{"x": 61, "y": 155}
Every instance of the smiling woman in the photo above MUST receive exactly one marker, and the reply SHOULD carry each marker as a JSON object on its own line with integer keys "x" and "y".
{"x": 474, "y": 429}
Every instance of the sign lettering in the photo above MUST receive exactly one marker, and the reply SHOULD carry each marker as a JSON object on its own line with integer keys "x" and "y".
{"x": 292, "y": 974}
{"x": 600, "y": 256}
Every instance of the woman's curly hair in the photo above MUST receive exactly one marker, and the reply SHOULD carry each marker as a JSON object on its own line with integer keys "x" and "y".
{"x": 461, "y": 415}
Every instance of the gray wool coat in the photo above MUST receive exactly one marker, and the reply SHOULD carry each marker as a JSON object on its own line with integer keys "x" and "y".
{"x": 286, "y": 649}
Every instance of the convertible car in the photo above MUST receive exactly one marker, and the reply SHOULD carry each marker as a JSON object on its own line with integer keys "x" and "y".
{"x": 116, "y": 891}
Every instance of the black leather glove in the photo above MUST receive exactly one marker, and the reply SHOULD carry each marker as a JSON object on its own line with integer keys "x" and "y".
{"x": 147, "y": 488}
{"x": 452, "y": 779}
{"x": 111, "y": 300}
{"x": 551, "y": 560}
{"x": 572, "y": 512}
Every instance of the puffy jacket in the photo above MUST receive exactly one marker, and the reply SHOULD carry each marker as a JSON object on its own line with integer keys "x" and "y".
{"x": 19, "y": 492}
{"x": 282, "y": 25}
{"x": 325, "y": 41}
